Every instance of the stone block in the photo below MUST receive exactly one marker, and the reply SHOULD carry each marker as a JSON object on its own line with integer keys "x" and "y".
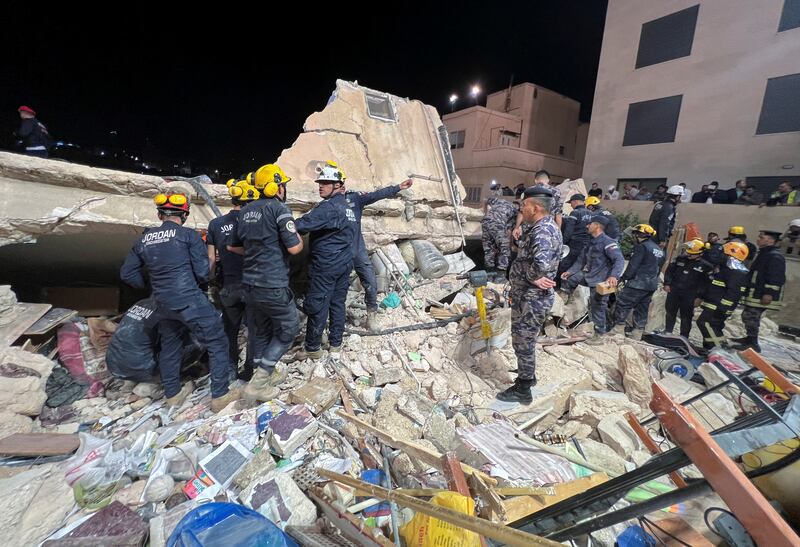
{"x": 23, "y": 381}
{"x": 383, "y": 376}
{"x": 276, "y": 496}
{"x": 616, "y": 433}
{"x": 635, "y": 376}
{"x": 592, "y": 406}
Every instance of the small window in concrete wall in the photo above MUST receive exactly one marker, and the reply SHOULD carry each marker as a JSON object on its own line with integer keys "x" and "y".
{"x": 651, "y": 122}
{"x": 780, "y": 112}
{"x": 666, "y": 38}
{"x": 473, "y": 193}
{"x": 790, "y": 16}
{"x": 457, "y": 139}
{"x": 380, "y": 107}
{"x": 560, "y": 150}
{"x": 509, "y": 138}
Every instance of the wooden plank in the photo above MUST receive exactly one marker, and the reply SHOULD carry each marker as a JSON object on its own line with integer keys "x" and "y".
{"x": 525, "y": 491}
{"x": 499, "y": 532}
{"x": 346, "y": 402}
{"x": 39, "y": 444}
{"x": 25, "y": 315}
{"x": 50, "y": 320}
{"x": 769, "y": 371}
{"x": 651, "y": 445}
{"x": 456, "y": 481}
{"x": 430, "y": 457}
{"x": 492, "y": 504}
{"x": 523, "y": 506}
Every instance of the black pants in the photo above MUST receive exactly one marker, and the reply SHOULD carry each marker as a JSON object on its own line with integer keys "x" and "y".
{"x": 273, "y": 323}
{"x": 233, "y": 312}
{"x": 679, "y": 302}
{"x": 637, "y": 300}
{"x": 711, "y": 323}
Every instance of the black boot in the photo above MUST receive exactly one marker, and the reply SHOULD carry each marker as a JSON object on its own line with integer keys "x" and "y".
{"x": 742, "y": 343}
{"x": 520, "y": 392}
{"x": 742, "y": 340}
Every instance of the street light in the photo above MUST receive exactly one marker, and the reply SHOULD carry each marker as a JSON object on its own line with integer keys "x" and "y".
{"x": 453, "y": 99}
{"x": 474, "y": 92}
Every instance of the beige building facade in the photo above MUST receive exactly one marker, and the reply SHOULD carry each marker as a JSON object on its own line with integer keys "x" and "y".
{"x": 694, "y": 91}
{"x": 517, "y": 133}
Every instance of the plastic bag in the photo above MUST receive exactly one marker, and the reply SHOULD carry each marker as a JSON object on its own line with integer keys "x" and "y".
{"x": 426, "y": 531}
{"x": 224, "y": 524}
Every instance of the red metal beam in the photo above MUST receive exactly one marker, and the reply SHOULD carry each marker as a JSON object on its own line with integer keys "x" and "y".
{"x": 769, "y": 371}
{"x": 763, "y": 523}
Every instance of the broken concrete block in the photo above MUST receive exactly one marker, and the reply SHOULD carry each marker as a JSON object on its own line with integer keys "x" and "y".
{"x": 147, "y": 389}
{"x": 601, "y": 455}
{"x": 616, "y": 433}
{"x": 386, "y": 418}
{"x": 319, "y": 394}
{"x": 385, "y": 356}
{"x": 591, "y": 406}
{"x": 131, "y": 495}
{"x": 439, "y": 389}
{"x": 441, "y": 432}
{"x": 261, "y": 463}
{"x": 573, "y": 428}
{"x": 434, "y": 356}
{"x": 635, "y": 376}
{"x": 276, "y": 496}
{"x": 640, "y": 457}
{"x": 11, "y": 423}
{"x": 114, "y": 524}
{"x": 33, "y": 505}
{"x": 23, "y": 377}
{"x": 291, "y": 429}
{"x": 383, "y": 376}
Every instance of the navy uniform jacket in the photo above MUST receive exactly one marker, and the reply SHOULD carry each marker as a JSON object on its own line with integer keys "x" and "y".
{"x": 177, "y": 261}
{"x": 686, "y": 275}
{"x": 612, "y": 230}
{"x": 726, "y": 288}
{"x": 662, "y": 219}
{"x": 574, "y": 228}
{"x": 714, "y": 254}
{"x": 767, "y": 276}
{"x": 539, "y": 255}
{"x": 358, "y": 200}
{"x": 333, "y": 229}
{"x": 643, "y": 267}
{"x": 266, "y": 230}
{"x": 600, "y": 260}
{"x": 219, "y": 235}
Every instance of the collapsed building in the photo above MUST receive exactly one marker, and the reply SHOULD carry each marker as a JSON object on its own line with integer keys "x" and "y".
{"x": 406, "y": 414}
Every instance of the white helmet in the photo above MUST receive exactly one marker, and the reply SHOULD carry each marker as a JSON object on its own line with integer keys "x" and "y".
{"x": 675, "y": 190}
{"x": 795, "y": 223}
{"x": 330, "y": 172}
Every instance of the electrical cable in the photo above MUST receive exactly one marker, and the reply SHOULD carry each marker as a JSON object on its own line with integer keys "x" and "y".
{"x": 650, "y": 523}
{"x": 708, "y": 524}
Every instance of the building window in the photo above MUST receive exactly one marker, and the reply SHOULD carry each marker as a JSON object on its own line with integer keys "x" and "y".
{"x": 457, "y": 139}
{"x": 473, "y": 193}
{"x": 780, "y": 112}
{"x": 669, "y": 37}
{"x": 651, "y": 122}
{"x": 561, "y": 150}
{"x": 380, "y": 107}
{"x": 790, "y": 16}
{"x": 508, "y": 138}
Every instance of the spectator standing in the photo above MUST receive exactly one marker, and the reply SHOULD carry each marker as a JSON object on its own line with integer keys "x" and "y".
{"x": 784, "y": 196}
{"x": 702, "y": 196}
{"x": 596, "y": 191}
{"x": 737, "y": 191}
{"x": 644, "y": 195}
{"x": 34, "y": 134}
{"x": 633, "y": 191}
{"x": 717, "y": 195}
{"x": 612, "y": 193}
{"x": 750, "y": 197}
{"x": 687, "y": 194}
{"x": 660, "y": 193}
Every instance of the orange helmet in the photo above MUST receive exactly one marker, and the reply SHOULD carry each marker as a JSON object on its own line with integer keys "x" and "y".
{"x": 736, "y": 249}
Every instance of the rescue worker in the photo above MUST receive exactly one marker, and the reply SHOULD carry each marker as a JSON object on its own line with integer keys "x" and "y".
{"x": 721, "y": 296}
{"x": 177, "y": 262}
{"x": 736, "y": 233}
{"x": 266, "y": 236}
{"x": 662, "y": 217}
{"x": 496, "y": 225}
{"x": 361, "y": 262}
{"x": 574, "y": 231}
{"x": 35, "y": 137}
{"x": 542, "y": 179}
{"x": 789, "y": 244}
{"x": 601, "y": 261}
{"x": 713, "y": 250}
{"x": 333, "y": 228}
{"x": 226, "y": 267}
{"x": 641, "y": 281}
{"x": 612, "y": 226}
{"x": 683, "y": 279}
{"x": 764, "y": 287}
{"x": 532, "y": 280}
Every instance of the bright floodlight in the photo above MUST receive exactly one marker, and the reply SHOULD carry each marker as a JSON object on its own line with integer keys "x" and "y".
{"x": 475, "y": 90}
{"x": 453, "y": 98}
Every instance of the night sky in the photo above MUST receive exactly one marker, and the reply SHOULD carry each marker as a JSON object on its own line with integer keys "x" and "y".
{"x": 221, "y": 87}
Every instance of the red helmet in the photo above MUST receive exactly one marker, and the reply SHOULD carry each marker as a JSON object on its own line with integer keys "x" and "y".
{"x": 27, "y": 109}
{"x": 172, "y": 202}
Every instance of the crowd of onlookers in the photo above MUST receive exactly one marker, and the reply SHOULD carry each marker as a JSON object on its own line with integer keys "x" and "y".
{"x": 740, "y": 194}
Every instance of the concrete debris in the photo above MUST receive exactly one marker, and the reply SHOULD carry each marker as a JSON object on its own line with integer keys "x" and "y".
{"x": 636, "y": 377}
{"x": 615, "y": 432}
{"x": 383, "y": 376}
{"x": 592, "y": 406}
{"x": 276, "y": 496}
{"x": 23, "y": 377}
{"x": 599, "y": 454}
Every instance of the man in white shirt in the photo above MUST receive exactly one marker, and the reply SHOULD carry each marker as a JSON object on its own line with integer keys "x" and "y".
{"x": 687, "y": 194}
{"x": 612, "y": 193}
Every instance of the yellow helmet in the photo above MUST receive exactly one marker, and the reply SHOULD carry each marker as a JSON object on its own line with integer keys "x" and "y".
{"x": 695, "y": 246}
{"x": 230, "y": 182}
{"x": 645, "y": 229}
{"x": 736, "y": 249}
{"x": 268, "y": 179}
{"x": 242, "y": 191}
{"x": 592, "y": 200}
{"x": 736, "y": 230}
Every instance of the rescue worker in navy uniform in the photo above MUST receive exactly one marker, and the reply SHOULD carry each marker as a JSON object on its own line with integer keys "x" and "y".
{"x": 361, "y": 262}
{"x": 532, "y": 280}
{"x": 764, "y": 288}
{"x": 714, "y": 254}
{"x": 498, "y": 220}
{"x": 574, "y": 231}
{"x": 177, "y": 262}
{"x": 662, "y": 217}
{"x": 601, "y": 261}
{"x": 34, "y": 134}
{"x": 721, "y": 296}
{"x": 737, "y": 233}
{"x": 641, "y": 281}
{"x": 683, "y": 279}
{"x": 226, "y": 266}
{"x": 332, "y": 227}
{"x": 612, "y": 226}
{"x": 266, "y": 235}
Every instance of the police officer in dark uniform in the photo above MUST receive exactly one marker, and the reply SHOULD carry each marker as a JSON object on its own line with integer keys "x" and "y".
{"x": 721, "y": 296}
{"x": 361, "y": 262}
{"x": 612, "y": 224}
{"x": 332, "y": 227}
{"x": 266, "y": 234}
{"x": 764, "y": 288}
{"x": 714, "y": 254}
{"x": 574, "y": 231}
{"x": 226, "y": 267}
{"x": 662, "y": 217}
{"x": 601, "y": 261}
{"x": 683, "y": 279}
{"x": 177, "y": 261}
{"x": 641, "y": 281}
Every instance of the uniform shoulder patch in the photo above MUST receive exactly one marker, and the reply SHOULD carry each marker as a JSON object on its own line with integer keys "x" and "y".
{"x": 291, "y": 227}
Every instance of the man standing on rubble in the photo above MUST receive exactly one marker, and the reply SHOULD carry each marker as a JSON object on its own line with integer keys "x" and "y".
{"x": 496, "y": 225}
{"x": 721, "y": 296}
{"x": 662, "y": 217}
{"x": 177, "y": 262}
{"x": 266, "y": 235}
{"x": 532, "y": 280}
{"x": 764, "y": 288}
{"x": 542, "y": 178}
{"x": 34, "y": 134}
{"x": 332, "y": 227}
{"x": 574, "y": 230}
{"x": 641, "y": 281}
{"x": 361, "y": 262}
{"x": 226, "y": 267}
{"x": 683, "y": 279}
{"x": 612, "y": 226}
{"x": 600, "y": 262}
